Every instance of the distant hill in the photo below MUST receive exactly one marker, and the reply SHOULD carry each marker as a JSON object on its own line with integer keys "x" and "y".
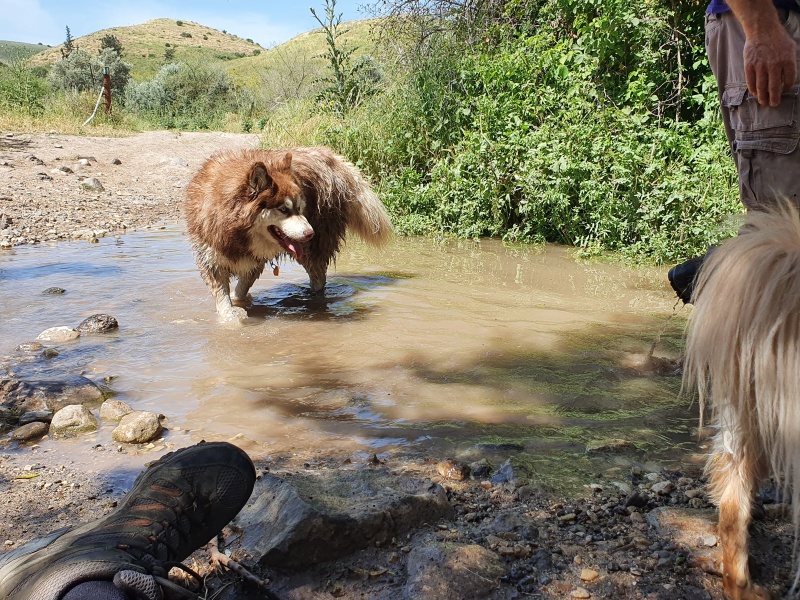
{"x": 144, "y": 45}
{"x": 18, "y": 50}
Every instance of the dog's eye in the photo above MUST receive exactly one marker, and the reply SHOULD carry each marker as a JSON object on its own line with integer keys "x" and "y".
{"x": 283, "y": 210}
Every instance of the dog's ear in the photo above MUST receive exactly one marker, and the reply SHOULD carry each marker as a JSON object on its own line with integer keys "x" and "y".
{"x": 286, "y": 162}
{"x": 258, "y": 179}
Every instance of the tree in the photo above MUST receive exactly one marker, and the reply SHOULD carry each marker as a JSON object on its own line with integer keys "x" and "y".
{"x": 69, "y": 46}
{"x": 110, "y": 41}
{"x": 345, "y": 86}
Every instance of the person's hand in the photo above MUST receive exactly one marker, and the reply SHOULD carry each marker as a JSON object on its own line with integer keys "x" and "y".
{"x": 770, "y": 65}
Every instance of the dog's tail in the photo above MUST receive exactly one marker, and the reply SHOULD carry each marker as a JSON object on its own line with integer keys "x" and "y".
{"x": 743, "y": 344}
{"x": 339, "y": 186}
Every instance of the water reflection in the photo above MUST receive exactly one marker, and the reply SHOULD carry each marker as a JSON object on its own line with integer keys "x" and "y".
{"x": 464, "y": 348}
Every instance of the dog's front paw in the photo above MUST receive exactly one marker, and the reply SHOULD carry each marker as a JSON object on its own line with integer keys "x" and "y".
{"x": 233, "y": 315}
{"x": 245, "y": 302}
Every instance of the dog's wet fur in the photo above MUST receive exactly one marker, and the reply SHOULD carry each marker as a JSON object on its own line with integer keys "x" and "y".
{"x": 246, "y": 208}
{"x": 743, "y": 355}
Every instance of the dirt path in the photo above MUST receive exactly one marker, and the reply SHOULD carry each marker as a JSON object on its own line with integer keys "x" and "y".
{"x": 48, "y": 181}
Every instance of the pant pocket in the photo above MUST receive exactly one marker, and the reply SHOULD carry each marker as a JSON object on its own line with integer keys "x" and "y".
{"x": 757, "y": 127}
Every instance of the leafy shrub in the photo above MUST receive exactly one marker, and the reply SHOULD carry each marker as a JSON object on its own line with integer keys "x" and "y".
{"x": 81, "y": 71}
{"x": 181, "y": 95}
{"x": 186, "y": 34}
{"x": 21, "y": 88}
{"x": 590, "y": 124}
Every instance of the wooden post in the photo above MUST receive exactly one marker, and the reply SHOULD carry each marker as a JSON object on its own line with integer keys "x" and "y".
{"x": 107, "y": 89}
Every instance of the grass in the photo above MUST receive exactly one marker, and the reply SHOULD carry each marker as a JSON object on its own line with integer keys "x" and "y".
{"x": 10, "y": 51}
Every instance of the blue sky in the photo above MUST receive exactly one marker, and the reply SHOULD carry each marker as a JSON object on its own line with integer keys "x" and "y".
{"x": 266, "y": 22}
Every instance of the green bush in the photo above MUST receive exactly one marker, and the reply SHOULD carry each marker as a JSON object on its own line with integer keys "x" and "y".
{"x": 22, "y": 88}
{"x": 81, "y": 71}
{"x": 590, "y": 124}
{"x": 184, "y": 96}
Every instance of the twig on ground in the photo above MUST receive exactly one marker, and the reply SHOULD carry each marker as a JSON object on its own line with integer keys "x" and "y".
{"x": 220, "y": 558}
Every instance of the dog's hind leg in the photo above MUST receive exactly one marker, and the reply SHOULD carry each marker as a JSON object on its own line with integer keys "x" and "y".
{"x": 734, "y": 474}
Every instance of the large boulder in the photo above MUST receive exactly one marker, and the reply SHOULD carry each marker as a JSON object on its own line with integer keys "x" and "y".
{"x": 73, "y": 420}
{"x": 305, "y": 519}
{"x": 23, "y": 396}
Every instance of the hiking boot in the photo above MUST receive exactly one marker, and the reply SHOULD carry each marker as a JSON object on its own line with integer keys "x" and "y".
{"x": 682, "y": 277}
{"x": 174, "y": 507}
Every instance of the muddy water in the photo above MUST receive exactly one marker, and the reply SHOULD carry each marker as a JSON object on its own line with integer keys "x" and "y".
{"x": 426, "y": 349}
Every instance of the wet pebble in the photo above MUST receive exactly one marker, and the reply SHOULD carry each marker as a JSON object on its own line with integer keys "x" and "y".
{"x": 55, "y": 291}
{"x": 73, "y": 420}
{"x": 114, "y": 410}
{"x": 98, "y": 323}
{"x": 30, "y": 347}
{"x": 58, "y": 334}
{"x": 31, "y": 431}
{"x": 453, "y": 470}
{"x": 137, "y": 428}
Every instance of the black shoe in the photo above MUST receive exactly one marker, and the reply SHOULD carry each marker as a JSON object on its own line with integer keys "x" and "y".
{"x": 177, "y": 505}
{"x": 682, "y": 276}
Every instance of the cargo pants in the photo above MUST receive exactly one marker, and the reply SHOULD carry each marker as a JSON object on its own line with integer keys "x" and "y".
{"x": 763, "y": 139}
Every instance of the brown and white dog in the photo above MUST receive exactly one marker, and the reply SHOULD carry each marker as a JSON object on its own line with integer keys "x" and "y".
{"x": 743, "y": 354}
{"x": 245, "y": 208}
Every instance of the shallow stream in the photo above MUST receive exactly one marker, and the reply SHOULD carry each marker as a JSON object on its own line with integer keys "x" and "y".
{"x": 425, "y": 349}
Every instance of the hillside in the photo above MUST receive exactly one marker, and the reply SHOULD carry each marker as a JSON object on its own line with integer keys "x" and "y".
{"x": 18, "y": 50}
{"x": 144, "y": 45}
{"x": 291, "y": 68}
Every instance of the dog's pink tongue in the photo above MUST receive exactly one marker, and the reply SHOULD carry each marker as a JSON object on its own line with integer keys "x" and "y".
{"x": 295, "y": 248}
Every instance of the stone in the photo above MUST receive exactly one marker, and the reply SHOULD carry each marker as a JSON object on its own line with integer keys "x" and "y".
{"x": 30, "y": 347}
{"x": 612, "y": 446}
{"x": 114, "y": 410}
{"x": 49, "y": 394}
{"x": 581, "y": 593}
{"x": 93, "y": 184}
{"x": 45, "y": 416}
{"x": 138, "y": 427}
{"x": 504, "y": 473}
{"x": 116, "y": 161}
{"x": 446, "y": 571}
{"x": 58, "y": 335}
{"x": 302, "y": 520}
{"x": 99, "y": 323}
{"x": 451, "y": 469}
{"x": 31, "y": 431}
{"x": 662, "y": 488}
{"x": 55, "y": 291}
{"x": 73, "y": 420}
{"x": 589, "y": 575}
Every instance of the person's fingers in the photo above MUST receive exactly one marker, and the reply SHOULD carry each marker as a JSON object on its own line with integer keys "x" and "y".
{"x": 789, "y": 75}
{"x": 762, "y": 86}
{"x": 750, "y": 77}
{"x": 774, "y": 85}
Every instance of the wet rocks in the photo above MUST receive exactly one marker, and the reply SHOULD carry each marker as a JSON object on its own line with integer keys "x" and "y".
{"x": 55, "y": 291}
{"x": 113, "y": 410}
{"x": 300, "y": 521}
{"x": 73, "y": 420}
{"x": 612, "y": 446}
{"x": 48, "y": 394}
{"x": 451, "y": 469}
{"x": 58, "y": 335}
{"x": 446, "y": 571}
{"x": 98, "y": 323}
{"x": 138, "y": 427}
{"x": 31, "y": 431}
